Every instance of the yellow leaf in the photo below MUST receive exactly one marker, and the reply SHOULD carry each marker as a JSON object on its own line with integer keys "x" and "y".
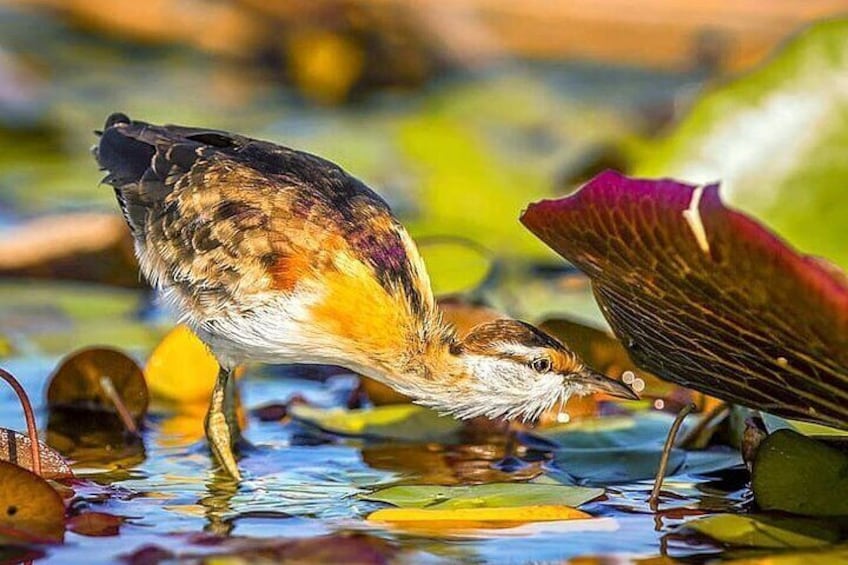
{"x": 181, "y": 368}
{"x": 468, "y": 518}
{"x": 403, "y": 422}
{"x": 32, "y": 511}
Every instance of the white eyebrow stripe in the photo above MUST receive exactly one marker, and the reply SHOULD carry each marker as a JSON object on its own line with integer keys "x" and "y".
{"x": 516, "y": 350}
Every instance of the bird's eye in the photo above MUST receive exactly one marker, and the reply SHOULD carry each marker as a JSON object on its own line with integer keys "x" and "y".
{"x": 541, "y": 365}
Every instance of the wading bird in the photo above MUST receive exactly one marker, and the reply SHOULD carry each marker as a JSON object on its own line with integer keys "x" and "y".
{"x": 277, "y": 256}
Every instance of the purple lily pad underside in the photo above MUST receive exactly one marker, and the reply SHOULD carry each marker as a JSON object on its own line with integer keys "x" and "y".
{"x": 705, "y": 296}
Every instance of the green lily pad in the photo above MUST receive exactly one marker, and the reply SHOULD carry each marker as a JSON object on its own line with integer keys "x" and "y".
{"x": 775, "y": 138}
{"x": 616, "y": 465}
{"x": 797, "y": 474}
{"x": 402, "y": 422}
{"x": 774, "y": 423}
{"x": 638, "y": 430}
{"x": 620, "y": 449}
{"x": 704, "y": 462}
{"x": 627, "y": 464}
{"x": 772, "y": 532}
{"x": 490, "y": 495}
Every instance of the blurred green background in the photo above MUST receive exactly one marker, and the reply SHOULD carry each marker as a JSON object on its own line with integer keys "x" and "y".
{"x": 458, "y": 113}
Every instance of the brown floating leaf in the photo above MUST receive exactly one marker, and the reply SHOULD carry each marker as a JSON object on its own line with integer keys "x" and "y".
{"x": 706, "y": 297}
{"x": 96, "y": 524}
{"x": 341, "y": 547}
{"x": 100, "y": 379}
{"x": 31, "y": 511}
{"x": 16, "y": 448}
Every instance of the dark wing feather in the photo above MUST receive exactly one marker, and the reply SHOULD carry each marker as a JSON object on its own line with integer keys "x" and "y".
{"x": 221, "y": 210}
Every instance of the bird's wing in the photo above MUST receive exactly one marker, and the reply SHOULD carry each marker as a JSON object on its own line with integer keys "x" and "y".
{"x": 218, "y": 214}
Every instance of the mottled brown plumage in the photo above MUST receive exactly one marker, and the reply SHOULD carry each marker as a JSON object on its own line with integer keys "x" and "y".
{"x": 276, "y": 255}
{"x": 229, "y": 214}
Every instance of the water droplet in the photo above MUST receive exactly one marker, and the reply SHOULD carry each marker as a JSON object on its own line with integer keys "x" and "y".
{"x": 628, "y": 377}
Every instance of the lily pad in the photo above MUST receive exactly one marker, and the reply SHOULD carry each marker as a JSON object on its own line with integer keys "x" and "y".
{"x": 16, "y": 448}
{"x": 797, "y": 474}
{"x": 686, "y": 293}
{"x": 774, "y": 532}
{"x": 774, "y": 423}
{"x": 96, "y": 524}
{"x": 181, "y": 368}
{"x": 628, "y": 464}
{"x": 644, "y": 429}
{"x": 472, "y": 518}
{"x": 484, "y": 496}
{"x": 616, "y": 466}
{"x": 402, "y": 422}
{"x": 97, "y": 379}
{"x": 620, "y": 449}
{"x": 31, "y": 511}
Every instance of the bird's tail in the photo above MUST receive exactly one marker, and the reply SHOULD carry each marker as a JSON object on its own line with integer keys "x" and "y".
{"x": 145, "y": 161}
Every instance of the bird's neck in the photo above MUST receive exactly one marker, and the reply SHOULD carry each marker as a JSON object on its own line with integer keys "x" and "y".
{"x": 427, "y": 358}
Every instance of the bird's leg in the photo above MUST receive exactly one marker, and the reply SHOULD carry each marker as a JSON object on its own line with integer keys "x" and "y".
{"x": 231, "y": 406}
{"x": 221, "y": 430}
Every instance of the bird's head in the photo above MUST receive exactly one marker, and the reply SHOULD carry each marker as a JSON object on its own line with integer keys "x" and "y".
{"x": 511, "y": 369}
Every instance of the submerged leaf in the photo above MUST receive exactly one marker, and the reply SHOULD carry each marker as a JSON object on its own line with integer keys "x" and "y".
{"x": 341, "y": 547}
{"x": 797, "y": 474}
{"x": 484, "y": 496}
{"x": 96, "y": 524}
{"x": 31, "y": 511}
{"x": 454, "y": 464}
{"x": 16, "y": 448}
{"x": 404, "y": 422}
{"x": 710, "y": 300}
{"x": 766, "y": 531}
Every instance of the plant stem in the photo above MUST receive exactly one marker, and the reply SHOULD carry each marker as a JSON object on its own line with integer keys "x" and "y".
{"x": 32, "y": 430}
{"x": 123, "y": 412}
{"x": 702, "y": 424}
{"x": 654, "y": 499}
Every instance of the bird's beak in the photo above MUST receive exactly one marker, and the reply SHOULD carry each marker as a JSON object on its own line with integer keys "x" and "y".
{"x": 591, "y": 382}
